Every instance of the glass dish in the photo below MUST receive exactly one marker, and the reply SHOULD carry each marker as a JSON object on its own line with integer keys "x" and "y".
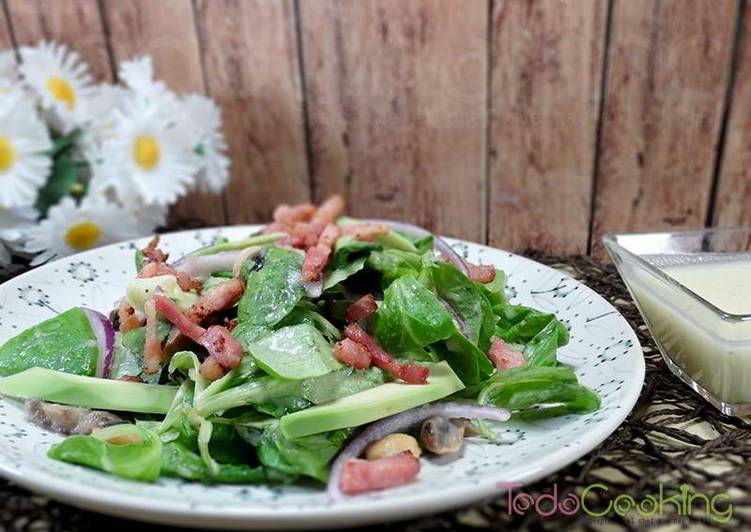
{"x": 706, "y": 346}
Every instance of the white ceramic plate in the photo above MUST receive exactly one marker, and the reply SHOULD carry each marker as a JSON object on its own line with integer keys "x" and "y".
{"x": 603, "y": 350}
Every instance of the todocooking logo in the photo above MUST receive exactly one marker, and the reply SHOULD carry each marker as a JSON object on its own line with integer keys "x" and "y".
{"x": 594, "y": 502}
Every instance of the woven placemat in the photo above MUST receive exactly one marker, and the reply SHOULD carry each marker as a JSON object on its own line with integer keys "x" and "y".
{"x": 672, "y": 438}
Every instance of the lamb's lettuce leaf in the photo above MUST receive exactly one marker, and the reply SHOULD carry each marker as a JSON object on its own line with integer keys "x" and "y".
{"x": 273, "y": 286}
{"x": 295, "y": 352}
{"x": 308, "y": 456}
{"x": 411, "y": 317}
{"x": 127, "y": 451}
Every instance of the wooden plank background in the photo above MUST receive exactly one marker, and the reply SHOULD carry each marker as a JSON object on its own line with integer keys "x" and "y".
{"x": 521, "y": 123}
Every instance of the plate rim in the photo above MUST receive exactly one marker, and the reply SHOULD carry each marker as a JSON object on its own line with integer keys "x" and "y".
{"x": 134, "y": 507}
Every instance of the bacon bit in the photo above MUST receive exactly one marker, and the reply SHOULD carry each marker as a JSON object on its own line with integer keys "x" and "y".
{"x": 152, "y": 350}
{"x": 170, "y": 311}
{"x": 274, "y": 228}
{"x": 481, "y": 273}
{"x": 363, "y": 476}
{"x": 504, "y": 357}
{"x": 127, "y": 317}
{"x": 362, "y": 308}
{"x": 284, "y": 214}
{"x": 365, "y": 232}
{"x": 185, "y": 281}
{"x": 223, "y": 348}
{"x": 411, "y": 373}
{"x": 302, "y": 235}
{"x": 222, "y": 297}
{"x": 329, "y": 235}
{"x": 329, "y": 210}
{"x": 352, "y": 354}
{"x": 130, "y": 378}
{"x": 152, "y": 253}
{"x": 315, "y": 261}
{"x": 231, "y": 324}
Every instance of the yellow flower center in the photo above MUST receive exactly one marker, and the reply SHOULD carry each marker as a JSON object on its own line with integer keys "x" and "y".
{"x": 83, "y": 235}
{"x": 62, "y": 91}
{"x": 146, "y": 152}
{"x": 7, "y": 154}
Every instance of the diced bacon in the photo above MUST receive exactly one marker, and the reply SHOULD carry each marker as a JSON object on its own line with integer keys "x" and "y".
{"x": 504, "y": 357}
{"x": 222, "y": 297}
{"x": 222, "y": 346}
{"x": 185, "y": 281}
{"x": 330, "y": 235}
{"x": 363, "y": 476}
{"x": 274, "y": 228}
{"x": 481, "y": 273}
{"x": 329, "y": 210}
{"x": 130, "y": 378}
{"x": 302, "y": 235}
{"x": 352, "y": 354}
{"x": 315, "y": 261}
{"x": 170, "y": 311}
{"x": 366, "y": 232}
{"x": 362, "y": 308}
{"x": 128, "y": 317}
{"x": 224, "y": 349}
{"x": 152, "y": 253}
{"x": 285, "y": 214}
{"x": 152, "y": 351}
{"x": 411, "y": 373}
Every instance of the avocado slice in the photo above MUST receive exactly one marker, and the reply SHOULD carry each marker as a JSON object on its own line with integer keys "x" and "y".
{"x": 88, "y": 392}
{"x": 376, "y": 403}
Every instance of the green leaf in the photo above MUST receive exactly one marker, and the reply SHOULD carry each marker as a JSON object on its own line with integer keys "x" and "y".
{"x": 347, "y": 249}
{"x": 338, "y": 275}
{"x": 466, "y": 359}
{"x": 472, "y": 311}
{"x": 540, "y": 351}
{"x": 518, "y": 324}
{"x": 411, "y": 317}
{"x": 180, "y": 462}
{"x": 393, "y": 263}
{"x": 63, "y": 178}
{"x": 64, "y": 343}
{"x": 307, "y": 456}
{"x": 139, "y": 460}
{"x": 295, "y": 352}
{"x": 61, "y": 143}
{"x": 273, "y": 286}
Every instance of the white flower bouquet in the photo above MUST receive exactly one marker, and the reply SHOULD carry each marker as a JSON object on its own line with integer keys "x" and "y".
{"x": 85, "y": 164}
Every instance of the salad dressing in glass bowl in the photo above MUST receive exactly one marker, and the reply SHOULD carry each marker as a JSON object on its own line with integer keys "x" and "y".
{"x": 693, "y": 289}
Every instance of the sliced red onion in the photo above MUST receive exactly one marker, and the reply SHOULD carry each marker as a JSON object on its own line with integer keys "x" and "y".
{"x": 105, "y": 339}
{"x": 202, "y": 266}
{"x": 440, "y": 244}
{"x": 401, "y": 421}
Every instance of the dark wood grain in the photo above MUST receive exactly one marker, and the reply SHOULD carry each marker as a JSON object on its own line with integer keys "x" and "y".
{"x": 396, "y": 98}
{"x": 166, "y": 31}
{"x": 546, "y": 77}
{"x": 76, "y": 23}
{"x": 732, "y": 206}
{"x": 668, "y": 69}
{"x": 252, "y": 71}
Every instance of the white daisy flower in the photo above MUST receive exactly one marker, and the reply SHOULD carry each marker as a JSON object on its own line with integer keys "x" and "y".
{"x": 138, "y": 75}
{"x": 8, "y": 70}
{"x": 149, "y": 155}
{"x": 24, "y": 161}
{"x": 13, "y": 225}
{"x": 205, "y": 127}
{"x": 70, "y": 228}
{"x": 60, "y": 79}
{"x": 105, "y": 100}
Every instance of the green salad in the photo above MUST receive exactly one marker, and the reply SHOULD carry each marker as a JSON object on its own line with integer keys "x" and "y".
{"x": 322, "y": 349}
